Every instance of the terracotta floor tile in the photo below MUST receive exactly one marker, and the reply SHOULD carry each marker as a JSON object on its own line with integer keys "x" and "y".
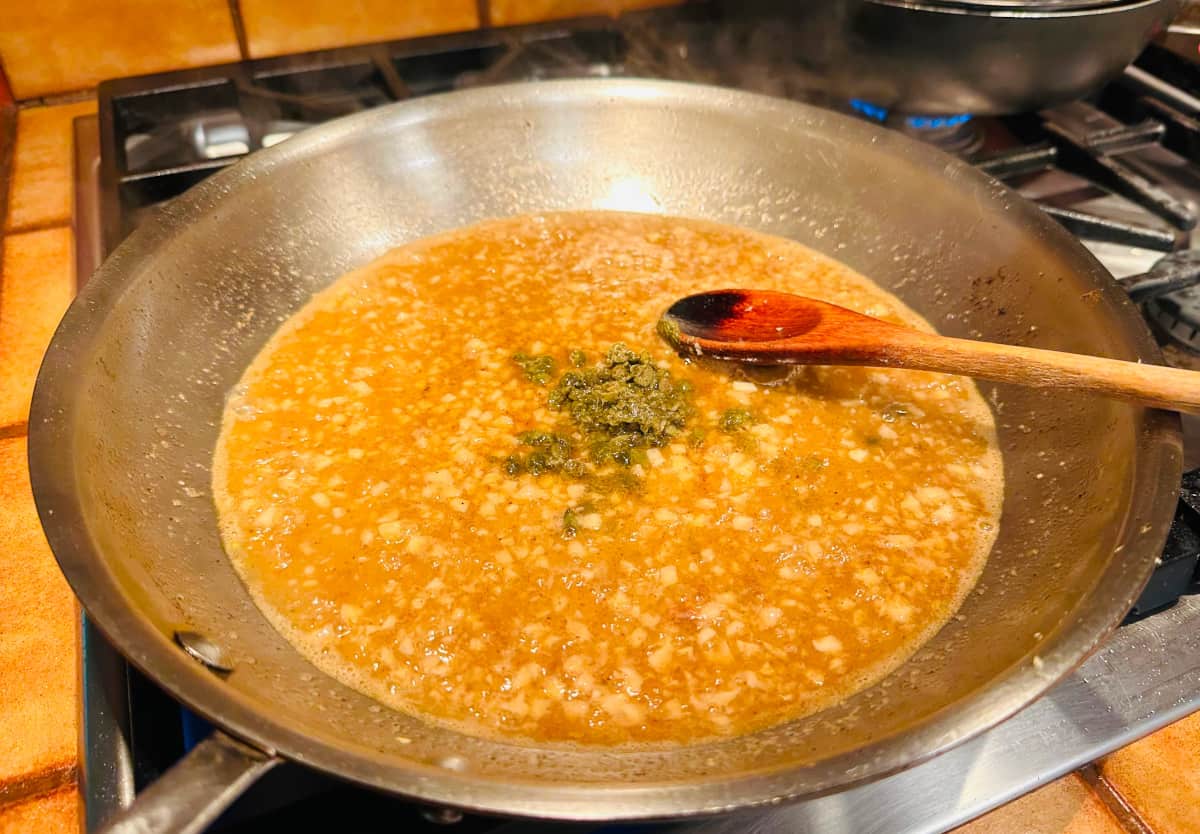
{"x": 37, "y": 639}
{"x": 40, "y": 188}
{"x": 36, "y": 284}
{"x": 1159, "y": 777}
{"x": 505, "y": 12}
{"x": 55, "y": 813}
{"x": 274, "y": 27}
{"x": 1066, "y": 806}
{"x": 52, "y": 46}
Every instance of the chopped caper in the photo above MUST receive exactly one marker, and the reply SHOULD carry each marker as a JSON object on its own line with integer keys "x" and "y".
{"x": 815, "y": 463}
{"x": 626, "y": 396}
{"x": 621, "y": 480}
{"x": 538, "y": 369}
{"x": 570, "y": 524}
{"x": 734, "y": 420}
{"x": 668, "y": 331}
{"x": 550, "y": 452}
{"x": 620, "y": 408}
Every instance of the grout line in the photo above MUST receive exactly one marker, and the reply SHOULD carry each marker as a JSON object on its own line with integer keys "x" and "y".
{"x": 239, "y": 29}
{"x": 48, "y": 781}
{"x": 14, "y": 430}
{"x": 8, "y": 149}
{"x": 1116, "y": 804}
{"x": 68, "y": 97}
{"x": 483, "y": 10}
{"x": 6, "y": 94}
{"x": 39, "y": 227}
{"x": 71, "y": 785}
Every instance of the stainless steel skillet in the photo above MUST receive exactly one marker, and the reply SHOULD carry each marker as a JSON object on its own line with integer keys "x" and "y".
{"x": 128, "y": 402}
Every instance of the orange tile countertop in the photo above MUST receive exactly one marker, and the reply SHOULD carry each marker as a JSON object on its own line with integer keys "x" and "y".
{"x": 1150, "y": 787}
{"x": 38, "y": 615}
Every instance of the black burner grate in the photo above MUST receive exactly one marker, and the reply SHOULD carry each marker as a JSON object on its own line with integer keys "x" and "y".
{"x": 161, "y": 134}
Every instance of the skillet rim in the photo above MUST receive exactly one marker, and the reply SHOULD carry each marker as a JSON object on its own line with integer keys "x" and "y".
{"x": 1157, "y": 467}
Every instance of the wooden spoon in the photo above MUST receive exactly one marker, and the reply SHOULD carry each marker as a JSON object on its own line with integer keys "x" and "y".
{"x": 776, "y": 328}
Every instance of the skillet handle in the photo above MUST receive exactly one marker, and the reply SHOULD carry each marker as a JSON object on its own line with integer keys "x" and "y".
{"x": 188, "y": 797}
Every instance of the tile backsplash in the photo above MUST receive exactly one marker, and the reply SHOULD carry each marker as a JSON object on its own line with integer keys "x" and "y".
{"x": 67, "y": 45}
{"x": 40, "y": 177}
{"x": 276, "y": 27}
{"x": 48, "y": 49}
{"x": 505, "y": 12}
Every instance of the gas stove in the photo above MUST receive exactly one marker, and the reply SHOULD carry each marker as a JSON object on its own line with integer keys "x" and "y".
{"x": 1121, "y": 171}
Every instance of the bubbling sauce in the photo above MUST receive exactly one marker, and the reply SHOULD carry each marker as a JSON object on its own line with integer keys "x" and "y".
{"x": 792, "y": 545}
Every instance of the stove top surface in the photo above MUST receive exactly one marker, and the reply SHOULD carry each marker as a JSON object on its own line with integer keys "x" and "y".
{"x": 1119, "y": 171}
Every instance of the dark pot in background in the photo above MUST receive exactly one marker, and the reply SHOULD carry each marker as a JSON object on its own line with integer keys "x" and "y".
{"x": 942, "y": 57}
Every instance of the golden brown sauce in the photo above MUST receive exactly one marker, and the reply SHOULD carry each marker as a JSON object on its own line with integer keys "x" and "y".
{"x": 756, "y": 577}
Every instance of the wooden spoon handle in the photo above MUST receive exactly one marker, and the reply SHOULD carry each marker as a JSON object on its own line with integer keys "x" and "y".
{"x": 768, "y": 327}
{"x": 1155, "y": 385}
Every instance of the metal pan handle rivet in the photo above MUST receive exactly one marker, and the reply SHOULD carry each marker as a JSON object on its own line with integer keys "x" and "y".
{"x": 205, "y": 651}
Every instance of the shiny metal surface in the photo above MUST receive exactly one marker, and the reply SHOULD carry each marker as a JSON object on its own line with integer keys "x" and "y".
{"x": 203, "y": 650}
{"x": 929, "y": 58}
{"x": 128, "y": 401}
{"x": 105, "y": 767}
{"x": 1022, "y": 5}
{"x": 85, "y": 206}
{"x": 191, "y": 795}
